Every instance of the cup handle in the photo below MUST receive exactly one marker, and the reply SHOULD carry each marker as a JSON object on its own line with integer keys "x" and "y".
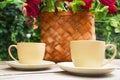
{"x": 114, "y": 54}
{"x": 9, "y": 51}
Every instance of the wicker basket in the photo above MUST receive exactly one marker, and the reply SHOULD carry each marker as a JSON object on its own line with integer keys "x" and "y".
{"x": 58, "y": 29}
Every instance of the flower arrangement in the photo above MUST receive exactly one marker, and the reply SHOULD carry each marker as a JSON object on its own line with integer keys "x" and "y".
{"x": 101, "y": 8}
{"x": 34, "y": 7}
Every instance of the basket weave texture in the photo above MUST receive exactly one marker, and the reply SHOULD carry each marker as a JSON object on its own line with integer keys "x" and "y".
{"x": 58, "y": 29}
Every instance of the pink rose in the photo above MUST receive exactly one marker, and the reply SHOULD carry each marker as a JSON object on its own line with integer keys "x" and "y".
{"x": 112, "y": 9}
{"x": 88, "y": 4}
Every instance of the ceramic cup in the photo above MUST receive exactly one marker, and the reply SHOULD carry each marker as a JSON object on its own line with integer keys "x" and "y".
{"x": 90, "y": 53}
{"x": 28, "y": 53}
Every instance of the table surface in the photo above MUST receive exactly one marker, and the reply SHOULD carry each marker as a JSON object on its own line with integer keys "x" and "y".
{"x": 54, "y": 73}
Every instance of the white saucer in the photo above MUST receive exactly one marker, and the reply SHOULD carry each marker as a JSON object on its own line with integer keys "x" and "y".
{"x": 43, "y": 65}
{"x": 69, "y": 67}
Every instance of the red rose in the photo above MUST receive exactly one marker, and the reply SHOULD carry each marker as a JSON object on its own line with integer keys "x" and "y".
{"x": 32, "y": 7}
{"x": 69, "y": 0}
{"x": 34, "y": 1}
{"x": 65, "y": 0}
{"x": 112, "y": 9}
{"x": 32, "y": 10}
{"x": 88, "y": 4}
{"x": 1, "y": 0}
{"x": 111, "y": 3}
{"x": 108, "y": 2}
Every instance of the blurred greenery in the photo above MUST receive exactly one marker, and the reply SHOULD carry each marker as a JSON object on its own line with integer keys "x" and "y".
{"x": 13, "y": 29}
{"x": 108, "y": 30}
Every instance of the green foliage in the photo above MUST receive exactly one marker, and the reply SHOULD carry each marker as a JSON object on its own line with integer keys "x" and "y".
{"x": 76, "y": 4}
{"x": 2, "y": 4}
{"x": 48, "y": 6}
{"x": 115, "y": 22}
{"x": 108, "y": 30}
{"x": 100, "y": 10}
{"x": 5, "y": 2}
{"x": 13, "y": 29}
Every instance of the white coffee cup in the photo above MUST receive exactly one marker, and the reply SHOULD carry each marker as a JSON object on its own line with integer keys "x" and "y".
{"x": 28, "y": 53}
{"x": 90, "y": 53}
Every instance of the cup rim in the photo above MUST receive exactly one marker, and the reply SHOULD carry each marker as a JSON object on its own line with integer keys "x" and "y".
{"x": 87, "y": 41}
{"x": 30, "y": 43}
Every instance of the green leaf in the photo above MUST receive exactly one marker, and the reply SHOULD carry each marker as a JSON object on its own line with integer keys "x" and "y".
{"x": 118, "y": 16}
{"x": 60, "y": 6}
{"x": 108, "y": 28}
{"x": 17, "y": 1}
{"x": 117, "y": 30}
{"x": 78, "y": 2}
{"x": 49, "y": 6}
{"x": 105, "y": 8}
{"x": 76, "y": 5}
{"x": 2, "y": 4}
{"x": 9, "y": 1}
{"x": 114, "y": 22}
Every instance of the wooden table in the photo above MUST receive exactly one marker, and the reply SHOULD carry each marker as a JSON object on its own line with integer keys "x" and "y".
{"x": 54, "y": 73}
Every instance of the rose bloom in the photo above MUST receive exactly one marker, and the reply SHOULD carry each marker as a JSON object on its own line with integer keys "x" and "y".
{"x": 32, "y": 10}
{"x": 65, "y": 0}
{"x": 108, "y": 2}
{"x": 112, "y": 9}
{"x": 111, "y": 4}
{"x": 32, "y": 7}
{"x": 69, "y": 0}
{"x": 1, "y": 0}
{"x": 34, "y": 1}
{"x": 88, "y": 4}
